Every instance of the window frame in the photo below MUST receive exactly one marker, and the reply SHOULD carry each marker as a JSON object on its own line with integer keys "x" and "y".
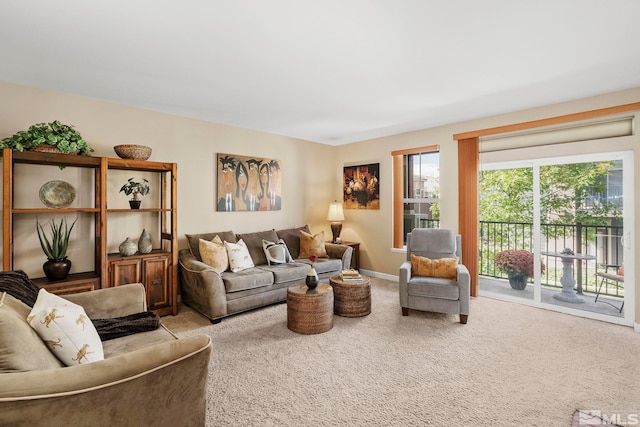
{"x": 399, "y": 190}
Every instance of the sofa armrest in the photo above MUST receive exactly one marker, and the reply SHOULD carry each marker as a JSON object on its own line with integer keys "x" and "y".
{"x": 338, "y": 251}
{"x": 168, "y": 380}
{"x": 111, "y": 302}
{"x": 201, "y": 287}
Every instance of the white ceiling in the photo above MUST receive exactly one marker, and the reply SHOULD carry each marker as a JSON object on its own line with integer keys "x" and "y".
{"x": 330, "y": 71}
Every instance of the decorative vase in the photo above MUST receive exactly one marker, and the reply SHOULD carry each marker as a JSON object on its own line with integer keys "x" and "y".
{"x": 135, "y": 204}
{"x": 312, "y": 279}
{"x": 518, "y": 281}
{"x": 56, "y": 269}
{"x": 128, "y": 248}
{"x": 144, "y": 242}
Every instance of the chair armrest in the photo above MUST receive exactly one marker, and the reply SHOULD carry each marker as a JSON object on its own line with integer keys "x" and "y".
{"x": 201, "y": 287}
{"x": 403, "y": 279}
{"x": 464, "y": 285}
{"x": 111, "y": 302}
{"x": 338, "y": 251}
{"x": 168, "y": 380}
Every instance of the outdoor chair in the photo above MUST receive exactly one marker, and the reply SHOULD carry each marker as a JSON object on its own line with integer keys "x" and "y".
{"x": 615, "y": 279}
{"x": 433, "y": 277}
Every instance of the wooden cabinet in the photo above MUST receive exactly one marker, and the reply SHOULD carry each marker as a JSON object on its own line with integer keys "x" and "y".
{"x": 152, "y": 270}
{"x": 99, "y": 211}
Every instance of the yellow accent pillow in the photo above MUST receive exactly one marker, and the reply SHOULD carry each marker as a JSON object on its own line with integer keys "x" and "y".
{"x": 214, "y": 254}
{"x": 312, "y": 245}
{"x": 447, "y": 268}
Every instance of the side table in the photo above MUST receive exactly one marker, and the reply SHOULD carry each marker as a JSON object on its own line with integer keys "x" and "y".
{"x": 310, "y": 311}
{"x": 351, "y": 299}
{"x": 567, "y": 280}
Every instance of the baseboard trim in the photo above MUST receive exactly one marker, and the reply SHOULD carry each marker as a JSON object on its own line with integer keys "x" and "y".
{"x": 378, "y": 275}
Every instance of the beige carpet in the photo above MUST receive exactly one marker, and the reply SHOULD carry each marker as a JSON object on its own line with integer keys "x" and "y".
{"x": 511, "y": 365}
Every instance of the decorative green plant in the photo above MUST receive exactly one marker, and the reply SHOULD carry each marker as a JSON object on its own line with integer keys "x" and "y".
{"x": 64, "y": 137}
{"x": 516, "y": 262}
{"x": 56, "y": 247}
{"x": 135, "y": 187}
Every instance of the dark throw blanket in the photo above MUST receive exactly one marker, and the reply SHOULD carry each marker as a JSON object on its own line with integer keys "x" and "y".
{"x": 17, "y": 284}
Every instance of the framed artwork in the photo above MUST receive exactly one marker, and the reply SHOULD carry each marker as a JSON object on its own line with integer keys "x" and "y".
{"x": 361, "y": 186}
{"x": 247, "y": 183}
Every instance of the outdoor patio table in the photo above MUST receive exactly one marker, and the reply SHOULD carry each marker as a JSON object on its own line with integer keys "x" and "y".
{"x": 567, "y": 280}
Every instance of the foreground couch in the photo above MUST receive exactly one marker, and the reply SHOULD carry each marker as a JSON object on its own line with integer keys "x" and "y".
{"x": 149, "y": 378}
{"x": 217, "y": 295}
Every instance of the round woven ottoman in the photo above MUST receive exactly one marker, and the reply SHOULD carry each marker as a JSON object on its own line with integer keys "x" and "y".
{"x": 351, "y": 299}
{"x": 310, "y": 311}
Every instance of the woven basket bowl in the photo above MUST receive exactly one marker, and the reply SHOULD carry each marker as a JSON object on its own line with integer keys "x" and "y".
{"x": 133, "y": 151}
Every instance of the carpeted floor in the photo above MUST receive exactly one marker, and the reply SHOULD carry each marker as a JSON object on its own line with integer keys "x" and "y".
{"x": 511, "y": 365}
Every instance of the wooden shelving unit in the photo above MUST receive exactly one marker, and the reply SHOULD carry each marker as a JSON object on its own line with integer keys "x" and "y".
{"x": 162, "y": 301}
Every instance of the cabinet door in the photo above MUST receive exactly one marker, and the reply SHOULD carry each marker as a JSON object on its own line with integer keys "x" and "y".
{"x": 155, "y": 273}
{"x": 124, "y": 271}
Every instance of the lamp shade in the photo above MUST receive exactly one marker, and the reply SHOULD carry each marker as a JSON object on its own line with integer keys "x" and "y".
{"x": 335, "y": 212}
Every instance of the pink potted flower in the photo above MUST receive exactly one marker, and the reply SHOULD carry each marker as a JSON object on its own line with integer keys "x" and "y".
{"x": 518, "y": 264}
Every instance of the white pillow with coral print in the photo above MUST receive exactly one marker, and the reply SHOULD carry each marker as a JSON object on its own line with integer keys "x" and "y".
{"x": 66, "y": 329}
{"x": 239, "y": 257}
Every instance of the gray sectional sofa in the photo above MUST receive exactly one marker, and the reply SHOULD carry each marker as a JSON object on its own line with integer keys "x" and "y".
{"x": 217, "y": 295}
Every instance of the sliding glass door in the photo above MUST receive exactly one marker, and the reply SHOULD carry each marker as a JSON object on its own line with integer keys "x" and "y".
{"x": 555, "y": 232}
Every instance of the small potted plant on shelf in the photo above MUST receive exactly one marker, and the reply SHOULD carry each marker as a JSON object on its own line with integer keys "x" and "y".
{"x": 55, "y": 248}
{"x": 135, "y": 188}
{"x": 54, "y": 137}
{"x": 518, "y": 264}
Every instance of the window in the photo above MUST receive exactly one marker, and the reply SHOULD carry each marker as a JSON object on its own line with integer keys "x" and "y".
{"x": 416, "y": 191}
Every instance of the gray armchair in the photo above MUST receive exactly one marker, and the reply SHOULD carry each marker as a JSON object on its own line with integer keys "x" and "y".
{"x": 434, "y": 294}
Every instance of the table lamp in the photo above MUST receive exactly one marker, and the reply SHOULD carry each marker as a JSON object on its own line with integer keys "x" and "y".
{"x": 335, "y": 215}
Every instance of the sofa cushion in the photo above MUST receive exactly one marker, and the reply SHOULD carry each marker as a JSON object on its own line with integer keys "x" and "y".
{"x": 194, "y": 240}
{"x": 21, "y": 348}
{"x": 312, "y": 245}
{"x": 214, "y": 254}
{"x": 254, "y": 244}
{"x": 250, "y": 278}
{"x": 276, "y": 252}
{"x": 66, "y": 329}
{"x": 239, "y": 258}
{"x": 324, "y": 265}
{"x": 433, "y": 287}
{"x": 287, "y": 272}
{"x": 291, "y": 237}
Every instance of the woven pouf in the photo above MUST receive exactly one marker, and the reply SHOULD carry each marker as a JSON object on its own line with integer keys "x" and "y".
{"x": 351, "y": 299}
{"x": 310, "y": 311}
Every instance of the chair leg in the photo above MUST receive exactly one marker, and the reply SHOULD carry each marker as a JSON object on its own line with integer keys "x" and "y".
{"x": 599, "y": 287}
{"x": 405, "y": 311}
{"x": 463, "y": 318}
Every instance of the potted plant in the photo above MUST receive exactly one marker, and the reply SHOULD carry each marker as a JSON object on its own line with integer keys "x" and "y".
{"x": 55, "y": 248}
{"x": 518, "y": 264}
{"x": 135, "y": 188}
{"x": 50, "y": 137}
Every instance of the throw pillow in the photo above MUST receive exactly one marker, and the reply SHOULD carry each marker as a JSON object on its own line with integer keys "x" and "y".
{"x": 239, "y": 258}
{"x": 446, "y": 268}
{"x": 276, "y": 252}
{"x": 311, "y": 245}
{"x": 21, "y": 349}
{"x": 214, "y": 254}
{"x": 66, "y": 329}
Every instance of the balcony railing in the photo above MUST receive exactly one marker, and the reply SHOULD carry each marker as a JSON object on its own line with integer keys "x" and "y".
{"x": 602, "y": 241}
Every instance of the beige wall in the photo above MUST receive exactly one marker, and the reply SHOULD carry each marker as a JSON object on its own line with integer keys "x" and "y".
{"x": 313, "y": 171}
{"x": 307, "y": 189}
